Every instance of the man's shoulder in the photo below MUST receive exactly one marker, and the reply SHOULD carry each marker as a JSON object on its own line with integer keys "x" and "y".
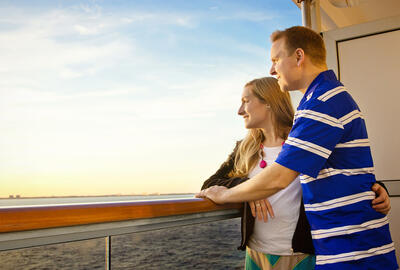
{"x": 327, "y": 89}
{"x": 334, "y": 101}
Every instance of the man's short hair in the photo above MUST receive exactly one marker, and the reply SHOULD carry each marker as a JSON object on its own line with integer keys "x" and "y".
{"x": 304, "y": 38}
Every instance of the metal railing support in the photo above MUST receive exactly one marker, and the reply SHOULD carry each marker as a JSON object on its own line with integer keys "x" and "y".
{"x": 108, "y": 253}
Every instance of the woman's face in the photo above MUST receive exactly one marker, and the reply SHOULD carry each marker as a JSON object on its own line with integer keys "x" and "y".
{"x": 255, "y": 113}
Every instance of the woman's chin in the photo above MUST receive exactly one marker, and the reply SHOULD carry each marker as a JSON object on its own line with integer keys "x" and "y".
{"x": 248, "y": 126}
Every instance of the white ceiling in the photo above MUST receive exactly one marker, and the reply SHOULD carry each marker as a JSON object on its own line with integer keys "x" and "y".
{"x": 333, "y": 17}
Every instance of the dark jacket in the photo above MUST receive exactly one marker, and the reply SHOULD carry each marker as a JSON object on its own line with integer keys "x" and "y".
{"x": 301, "y": 241}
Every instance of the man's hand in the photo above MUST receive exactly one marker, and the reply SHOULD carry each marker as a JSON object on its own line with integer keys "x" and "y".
{"x": 214, "y": 193}
{"x": 260, "y": 209}
{"x": 382, "y": 202}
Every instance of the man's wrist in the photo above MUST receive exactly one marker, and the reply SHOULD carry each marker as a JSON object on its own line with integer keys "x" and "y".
{"x": 227, "y": 196}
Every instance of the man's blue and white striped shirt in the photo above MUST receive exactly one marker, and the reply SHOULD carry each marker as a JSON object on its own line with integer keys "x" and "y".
{"x": 329, "y": 146}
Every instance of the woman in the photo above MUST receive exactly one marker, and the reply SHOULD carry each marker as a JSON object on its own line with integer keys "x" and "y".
{"x": 283, "y": 241}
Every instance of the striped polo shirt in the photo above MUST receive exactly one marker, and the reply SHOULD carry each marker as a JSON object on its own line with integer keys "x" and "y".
{"x": 329, "y": 146}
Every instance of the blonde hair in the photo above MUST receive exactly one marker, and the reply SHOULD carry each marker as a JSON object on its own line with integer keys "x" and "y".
{"x": 302, "y": 37}
{"x": 267, "y": 90}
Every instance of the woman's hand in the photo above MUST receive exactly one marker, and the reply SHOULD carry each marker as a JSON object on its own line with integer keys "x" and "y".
{"x": 381, "y": 203}
{"x": 260, "y": 209}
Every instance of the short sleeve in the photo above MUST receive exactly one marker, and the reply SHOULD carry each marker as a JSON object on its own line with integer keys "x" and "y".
{"x": 313, "y": 137}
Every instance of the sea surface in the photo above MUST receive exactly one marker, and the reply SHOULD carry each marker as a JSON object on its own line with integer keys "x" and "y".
{"x": 210, "y": 245}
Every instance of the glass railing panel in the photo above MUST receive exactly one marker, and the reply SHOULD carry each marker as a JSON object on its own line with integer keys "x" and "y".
{"x": 88, "y": 254}
{"x": 211, "y": 245}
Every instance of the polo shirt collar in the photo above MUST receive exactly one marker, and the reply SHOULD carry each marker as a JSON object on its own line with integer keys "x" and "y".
{"x": 324, "y": 76}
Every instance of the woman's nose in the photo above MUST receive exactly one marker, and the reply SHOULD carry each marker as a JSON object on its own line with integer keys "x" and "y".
{"x": 241, "y": 110}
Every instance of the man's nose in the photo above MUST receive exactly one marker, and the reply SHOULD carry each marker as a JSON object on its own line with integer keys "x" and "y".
{"x": 272, "y": 71}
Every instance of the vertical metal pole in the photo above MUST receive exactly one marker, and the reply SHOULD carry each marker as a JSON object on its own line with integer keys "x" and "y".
{"x": 306, "y": 13}
{"x": 108, "y": 252}
{"x": 316, "y": 16}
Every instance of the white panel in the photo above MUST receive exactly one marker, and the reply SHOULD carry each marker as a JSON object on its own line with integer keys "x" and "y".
{"x": 370, "y": 68}
{"x": 394, "y": 224}
{"x": 358, "y": 30}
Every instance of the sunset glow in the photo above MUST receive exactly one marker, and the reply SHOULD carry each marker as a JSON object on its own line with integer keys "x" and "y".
{"x": 126, "y": 97}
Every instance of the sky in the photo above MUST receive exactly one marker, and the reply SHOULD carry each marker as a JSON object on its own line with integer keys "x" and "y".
{"x": 126, "y": 97}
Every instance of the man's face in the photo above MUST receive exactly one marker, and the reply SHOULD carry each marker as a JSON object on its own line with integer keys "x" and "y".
{"x": 284, "y": 66}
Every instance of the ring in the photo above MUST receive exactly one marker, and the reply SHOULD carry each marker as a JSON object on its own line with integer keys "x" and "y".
{"x": 257, "y": 204}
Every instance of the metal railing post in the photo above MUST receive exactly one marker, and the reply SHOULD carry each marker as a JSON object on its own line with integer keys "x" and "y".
{"x": 108, "y": 252}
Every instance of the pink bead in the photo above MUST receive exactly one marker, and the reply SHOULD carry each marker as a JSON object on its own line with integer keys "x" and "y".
{"x": 263, "y": 164}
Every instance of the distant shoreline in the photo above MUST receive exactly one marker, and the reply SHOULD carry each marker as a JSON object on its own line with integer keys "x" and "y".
{"x": 94, "y": 196}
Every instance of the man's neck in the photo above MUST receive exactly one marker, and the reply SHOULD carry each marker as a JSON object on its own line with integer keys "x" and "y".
{"x": 309, "y": 76}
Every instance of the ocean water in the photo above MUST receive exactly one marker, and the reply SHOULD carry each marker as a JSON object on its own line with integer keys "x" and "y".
{"x": 210, "y": 245}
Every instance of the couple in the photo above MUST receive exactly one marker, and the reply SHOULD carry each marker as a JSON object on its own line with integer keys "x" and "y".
{"x": 317, "y": 175}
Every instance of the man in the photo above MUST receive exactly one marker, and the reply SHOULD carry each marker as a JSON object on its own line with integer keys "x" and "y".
{"x": 329, "y": 147}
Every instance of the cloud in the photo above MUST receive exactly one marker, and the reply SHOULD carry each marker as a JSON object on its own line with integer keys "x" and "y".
{"x": 248, "y": 15}
{"x": 158, "y": 19}
{"x": 32, "y": 47}
{"x": 85, "y": 30}
{"x": 72, "y": 44}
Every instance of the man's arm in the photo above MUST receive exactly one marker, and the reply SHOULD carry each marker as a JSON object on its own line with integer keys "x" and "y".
{"x": 269, "y": 181}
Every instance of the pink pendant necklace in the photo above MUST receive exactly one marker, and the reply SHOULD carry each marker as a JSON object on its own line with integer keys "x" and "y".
{"x": 263, "y": 163}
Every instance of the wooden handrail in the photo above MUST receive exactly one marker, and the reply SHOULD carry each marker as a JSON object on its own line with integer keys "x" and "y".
{"x": 44, "y": 217}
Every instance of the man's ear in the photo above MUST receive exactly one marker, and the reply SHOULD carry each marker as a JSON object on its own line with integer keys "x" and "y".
{"x": 299, "y": 53}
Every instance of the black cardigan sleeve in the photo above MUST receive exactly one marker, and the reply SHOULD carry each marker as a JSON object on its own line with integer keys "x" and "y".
{"x": 221, "y": 176}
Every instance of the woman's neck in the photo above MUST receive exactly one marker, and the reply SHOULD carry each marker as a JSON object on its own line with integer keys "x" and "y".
{"x": 271, "y": 139}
